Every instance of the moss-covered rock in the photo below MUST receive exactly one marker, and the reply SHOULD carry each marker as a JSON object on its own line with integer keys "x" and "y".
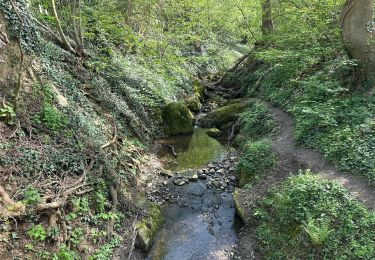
{"x": 194, "y": 103}
{"x": 245, "y": 202}
{"x": 148, "y": 227}
{"x": 177, "y": 119}
{"x": 223, "y": 115}
{"x": 199, "y": 90}
{"x": 214, "y": 132}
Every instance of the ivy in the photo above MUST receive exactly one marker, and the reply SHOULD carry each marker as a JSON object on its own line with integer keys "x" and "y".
{"x": 30, "y": 35}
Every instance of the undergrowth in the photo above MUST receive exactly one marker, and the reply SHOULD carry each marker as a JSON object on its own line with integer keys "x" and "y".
{"x": 257, "y": 159}
{"x": 255, "y": 123}
{"x": 310, "y": 218}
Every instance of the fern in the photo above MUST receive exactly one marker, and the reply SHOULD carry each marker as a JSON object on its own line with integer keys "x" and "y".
{"x": 318, "y": 233}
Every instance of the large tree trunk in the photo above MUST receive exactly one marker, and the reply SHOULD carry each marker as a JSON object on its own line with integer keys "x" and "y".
{"x": 267, "y": 23}
{"x": 358, "y": 33}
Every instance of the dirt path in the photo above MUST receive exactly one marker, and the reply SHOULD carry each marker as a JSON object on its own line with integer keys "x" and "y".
{"x": 285, "y": 146}
{"x": 290, "y": 159}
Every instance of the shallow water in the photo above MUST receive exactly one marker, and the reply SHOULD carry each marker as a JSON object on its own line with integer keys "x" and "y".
{"x": 200, "y": 226}
{"x": 201, "y": 223}
{"x": 193, "y": 151}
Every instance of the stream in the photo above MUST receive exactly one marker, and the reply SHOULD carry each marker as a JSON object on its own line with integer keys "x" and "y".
{"x": 199, "y": 217}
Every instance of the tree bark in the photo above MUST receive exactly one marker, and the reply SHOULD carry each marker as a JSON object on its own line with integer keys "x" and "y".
{"x": 357, "y": 24}
{"x": 267, "y": 22}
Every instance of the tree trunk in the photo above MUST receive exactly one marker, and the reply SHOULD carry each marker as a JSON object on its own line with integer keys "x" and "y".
{"x": 59, "y": 28}
{"x": 357, "y": 24}
{"x": 267, "y": 22}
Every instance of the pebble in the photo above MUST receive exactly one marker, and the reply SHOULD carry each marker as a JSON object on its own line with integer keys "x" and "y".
{"x": 179, "y": 182}
{"x": 194, "y": 178}
{"x": 202, "y": 176}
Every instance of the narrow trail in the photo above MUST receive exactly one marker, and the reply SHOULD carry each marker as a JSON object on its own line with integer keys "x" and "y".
{"x": 292, "y": 155}
{"x": 290, "y": 159}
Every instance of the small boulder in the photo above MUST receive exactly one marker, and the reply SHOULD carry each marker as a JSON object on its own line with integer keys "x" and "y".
{"x": 166, "y": 174}
{"x": 193, "y": 178}
{"x": 179, "y": 182}
{"x": 177, "y": 119}
{"x": 147, "y": 227}
{"x": 220, "y": 171}
{"x": 202, "y": 176}
{"x": 194, "y": 103}
{"x": 213, "y": 132}
{"x": 228, "y": 113}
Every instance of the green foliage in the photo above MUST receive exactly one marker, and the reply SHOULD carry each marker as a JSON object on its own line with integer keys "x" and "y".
{"x": 309, "y": 218}
{"x": 37, "y": 232}
{"x": 7, "y": 114}
{"x": 76, "y": 236}
{"x": 29, "y": 35}
{"x": 80, "y": 205}
{"x": 105, "y": 251}
{"x": 65, "y": 254}
{"x": 64, "y": 161}
{"x": 257, "y": 159}
{"x": 256, "y": 122}
{"x": 100, "y": 201}
{"x": 49, "y": 116}
{"x": 317, "y": 233}
{"x": 305, "y": 69}
{"x": 31, "y": 196}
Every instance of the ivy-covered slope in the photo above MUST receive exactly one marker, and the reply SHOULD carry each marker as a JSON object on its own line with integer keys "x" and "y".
{"x": 72, "y": 149}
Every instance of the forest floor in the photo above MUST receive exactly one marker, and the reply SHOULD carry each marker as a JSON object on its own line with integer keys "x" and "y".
{"x": 290, "y": 159}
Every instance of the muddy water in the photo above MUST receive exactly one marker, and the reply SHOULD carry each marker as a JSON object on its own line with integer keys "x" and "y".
{"x": 199, "y": 220}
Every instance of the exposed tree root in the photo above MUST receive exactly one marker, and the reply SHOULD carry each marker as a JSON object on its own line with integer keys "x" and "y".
{"x": 114, "y": 196}
{"x": 173, "y": 151}
{"x": 13, "y": 209}
{"x": 113, "y": 139}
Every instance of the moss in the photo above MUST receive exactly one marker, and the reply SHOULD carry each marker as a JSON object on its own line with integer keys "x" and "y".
{"x": 225, "y": 114}
{"x": 213, "y": 132}
{"x": 199, "y": 90}
{"x": 194, "y": 103}
{"x": 239, "y": 210}
{"x": 177, "y": 119}
{"x": 148, "y": 227}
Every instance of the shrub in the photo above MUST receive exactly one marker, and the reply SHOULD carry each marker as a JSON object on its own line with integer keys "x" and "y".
{"x": 256, "y": 122}
{"x": 310, "y": 218}
{"x": 257, "y": 159}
